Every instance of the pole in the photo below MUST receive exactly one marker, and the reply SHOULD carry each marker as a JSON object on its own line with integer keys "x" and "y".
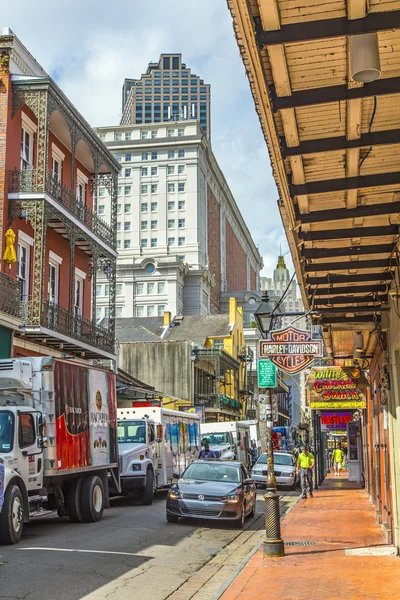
{"x": 315, "y": 449}
{"x": 273, "y": 544}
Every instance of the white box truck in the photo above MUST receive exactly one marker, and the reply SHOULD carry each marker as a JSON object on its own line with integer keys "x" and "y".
{"x": 154, "y": 444}
{"x": 258, "y": 434}
{"x": 229, "y": 440}
{"x": 58, "y": 441}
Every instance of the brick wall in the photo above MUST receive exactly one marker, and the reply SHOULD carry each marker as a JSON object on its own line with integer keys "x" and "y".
{"x": 214, "y": 247}
{"x": 236, "y": 262}
{"x": 253, "y": 279}
{"x": 4, "y": 103}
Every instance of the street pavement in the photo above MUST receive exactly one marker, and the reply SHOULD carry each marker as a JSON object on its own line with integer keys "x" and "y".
{"x": 132, "y": 553}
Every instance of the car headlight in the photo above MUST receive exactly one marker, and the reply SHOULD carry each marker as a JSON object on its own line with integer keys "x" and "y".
{"x": 287, "y": 474}
{"x": 231, "y": 499}
{"x": 175, "y": 494}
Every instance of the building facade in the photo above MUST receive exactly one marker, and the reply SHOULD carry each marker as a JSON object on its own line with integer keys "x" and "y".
{"x": 181, "y": 238}
{"x": 168, "y": 91}
{"x": 52, "y": 165}
{"x": 196, "y": 360}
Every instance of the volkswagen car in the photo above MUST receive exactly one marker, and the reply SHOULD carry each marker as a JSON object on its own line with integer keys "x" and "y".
{"x": 212, "y": 489}
{"x": 284, "y": 469}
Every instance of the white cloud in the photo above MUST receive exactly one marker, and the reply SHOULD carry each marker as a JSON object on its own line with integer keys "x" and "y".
{"x": 90, "y": 46}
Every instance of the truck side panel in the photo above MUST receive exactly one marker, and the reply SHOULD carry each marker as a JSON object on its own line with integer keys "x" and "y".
{"x": 85, "y": 416}
{"x": 72, "y": 416}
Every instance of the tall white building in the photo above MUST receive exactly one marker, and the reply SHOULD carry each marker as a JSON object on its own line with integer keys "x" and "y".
{"x": 181, "y": 237}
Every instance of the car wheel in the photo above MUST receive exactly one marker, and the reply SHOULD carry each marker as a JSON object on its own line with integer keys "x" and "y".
{"x": 242, "y": 517}
{"x": 172, "y": 518}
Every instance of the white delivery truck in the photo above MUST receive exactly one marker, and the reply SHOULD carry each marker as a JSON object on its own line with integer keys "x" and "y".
{"x": 258, "y": 434}
{"x": 58, "y": 441}
{"x": 154, "y": 444}
{"x": 229, "y": 440}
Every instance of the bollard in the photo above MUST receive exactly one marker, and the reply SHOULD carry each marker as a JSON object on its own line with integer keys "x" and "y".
{"x": 273, "y": 544}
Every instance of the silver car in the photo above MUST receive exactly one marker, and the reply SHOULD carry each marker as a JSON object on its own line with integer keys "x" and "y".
{"x": 212, "y": 489}
{"x": 284, "y": 469}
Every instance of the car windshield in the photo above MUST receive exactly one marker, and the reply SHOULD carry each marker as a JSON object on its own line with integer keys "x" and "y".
{"x": 212, "y": 472}
{"x": 279, "y": 459}
{"x": 215, "y": 439}
{"x": 6, "y": 431}
{"x": 131, "y": 432}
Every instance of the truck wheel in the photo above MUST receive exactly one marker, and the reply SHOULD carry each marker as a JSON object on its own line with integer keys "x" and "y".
{"x": 73, "y": 501}
{"x": 12, "y": 516}
{"x": 147, "y": 492}
{"x": 92, "y": 499}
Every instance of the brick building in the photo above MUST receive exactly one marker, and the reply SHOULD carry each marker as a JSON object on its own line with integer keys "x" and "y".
{"x": 51, "y": 167}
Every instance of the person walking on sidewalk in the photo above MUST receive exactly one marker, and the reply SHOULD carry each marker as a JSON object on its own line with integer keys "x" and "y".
{"x": 337, "y": 460}
{"x": 305, "y": 464}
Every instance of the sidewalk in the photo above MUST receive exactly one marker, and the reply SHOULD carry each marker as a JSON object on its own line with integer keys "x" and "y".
{"x": 339, "y": 518}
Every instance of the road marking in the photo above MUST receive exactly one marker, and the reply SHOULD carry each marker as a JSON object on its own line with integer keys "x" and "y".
{"x": 85, "y": 551}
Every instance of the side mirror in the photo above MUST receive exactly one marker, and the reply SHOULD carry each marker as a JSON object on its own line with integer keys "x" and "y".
{"x": 248, "y": 481}
{"x": 175, "y": 476}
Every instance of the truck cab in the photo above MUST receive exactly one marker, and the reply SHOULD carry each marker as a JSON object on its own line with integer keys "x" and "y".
{"x": 221, "y": 443}
{"x": 138, "y": 455}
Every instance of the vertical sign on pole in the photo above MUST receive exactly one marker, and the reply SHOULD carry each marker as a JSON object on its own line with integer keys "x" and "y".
{"x": 266, "y": 371}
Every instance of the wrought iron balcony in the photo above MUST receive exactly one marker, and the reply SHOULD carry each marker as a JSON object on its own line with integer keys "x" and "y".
{"x": 27, "y": 181}
{"x": 218, "y": 401}
{"x": 9, "y": 295}
{"x": 64, "y": 322}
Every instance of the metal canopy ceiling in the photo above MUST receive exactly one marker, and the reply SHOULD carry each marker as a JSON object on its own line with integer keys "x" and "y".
{"x": 334, "y": 145}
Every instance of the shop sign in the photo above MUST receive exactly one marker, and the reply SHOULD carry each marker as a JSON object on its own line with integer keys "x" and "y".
{"x": 290, "y": 349}
{"x": 266, "y": 374}
{"x": 197, "y": 410}
{"x": 349, "y": 404}
{"x": 355, "y": 374}
{"x": 336, "y": 420}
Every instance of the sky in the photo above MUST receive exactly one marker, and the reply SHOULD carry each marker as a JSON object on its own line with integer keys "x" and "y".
{"x": 90, "y": 46}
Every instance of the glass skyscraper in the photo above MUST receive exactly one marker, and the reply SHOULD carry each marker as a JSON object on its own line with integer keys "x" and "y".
{"x": 168, "y": 91}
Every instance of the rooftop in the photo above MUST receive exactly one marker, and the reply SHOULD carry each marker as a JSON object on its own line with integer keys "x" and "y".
{"x": 198, "y": 329}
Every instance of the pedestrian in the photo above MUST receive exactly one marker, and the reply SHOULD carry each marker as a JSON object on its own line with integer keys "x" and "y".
{"x": 254, "y": 454}
{"x": 337, "y": 460}
{"x": 305, "y": 464}
{"x": 296, "y": 451}
{"x": 206, "y": 452}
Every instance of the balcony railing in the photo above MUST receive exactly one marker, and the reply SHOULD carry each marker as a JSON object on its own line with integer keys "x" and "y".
{"x": 219, "y": 401}
{"x": 26, "y": 181}
{"x": 9, "y": 295}
{"x": 62, "y": 321}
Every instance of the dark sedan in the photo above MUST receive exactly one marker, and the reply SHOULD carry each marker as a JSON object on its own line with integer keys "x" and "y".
{"x": 212, "y": 489}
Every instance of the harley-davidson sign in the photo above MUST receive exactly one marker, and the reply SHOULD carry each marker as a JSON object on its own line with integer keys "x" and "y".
{"x": 290, "y": 349}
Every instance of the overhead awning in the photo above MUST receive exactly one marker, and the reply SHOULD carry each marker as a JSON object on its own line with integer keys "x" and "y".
{"x": 335, "y": 150}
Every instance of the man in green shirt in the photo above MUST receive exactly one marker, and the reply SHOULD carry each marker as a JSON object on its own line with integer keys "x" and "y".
{"x": 305, "y": 464}
{"x": 337, "y": 460}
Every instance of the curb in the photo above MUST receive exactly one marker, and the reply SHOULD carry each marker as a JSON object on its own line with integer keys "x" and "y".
{"x": 246, "y": 559}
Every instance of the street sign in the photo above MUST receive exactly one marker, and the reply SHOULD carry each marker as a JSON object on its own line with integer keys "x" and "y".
{"x": 266, "y": 374}
{"x": 290, "y": 349}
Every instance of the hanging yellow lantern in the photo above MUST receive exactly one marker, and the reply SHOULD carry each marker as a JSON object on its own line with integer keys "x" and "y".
{"x": 10, "y": 256}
